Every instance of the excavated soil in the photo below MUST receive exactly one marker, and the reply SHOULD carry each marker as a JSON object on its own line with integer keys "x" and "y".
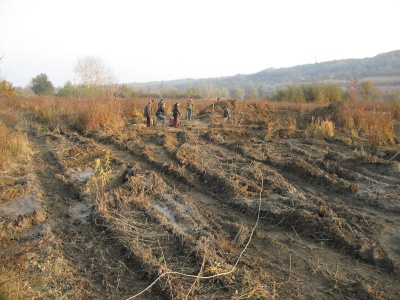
{"x": 208, "y": 210}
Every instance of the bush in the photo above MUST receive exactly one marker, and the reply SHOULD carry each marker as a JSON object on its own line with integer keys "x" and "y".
{"x": 375, "y": 120}
{"x": 318, "y": 92}
{"x": 6, "y": 89}
{"x": 322, "y": 128}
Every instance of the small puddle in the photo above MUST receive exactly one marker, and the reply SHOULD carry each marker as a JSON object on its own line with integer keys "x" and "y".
{"x": 80, "y": 212}
{"x": 169, "y": 215}
{"x": 166, "y": 212}
{"x": 84, "y": 175}
{"x": 24, "y": 205}
{"x": 171, "y": 197}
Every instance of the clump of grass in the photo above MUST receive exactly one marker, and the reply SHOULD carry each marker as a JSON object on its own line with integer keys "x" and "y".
{"x": 251, "y": 289}
{"x": 83, "y": 114}
{"x": 224, "y": 242}
{"x": 292, "y": 124}
{"x": 321, "y": 128}
{"x": 285, "y": 105}
{"x": 15, "y": 276}
{"x": 10, "y": 290}
{"x": 270, "y": 130}
{"x": 374, "y": 120}
{"x": 324, "y": 128}
{"x": 13, "y": 145}
{"x": 37, "y": 270}
{"x": 101, "y": 174}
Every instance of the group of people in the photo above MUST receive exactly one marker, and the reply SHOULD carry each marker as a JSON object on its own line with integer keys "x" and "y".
{"x": 160, "y": 113}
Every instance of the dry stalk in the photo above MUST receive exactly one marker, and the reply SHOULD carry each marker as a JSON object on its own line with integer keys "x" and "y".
{"x": 197, "y": 281}
{"x": 163, "y": 259}
{"x": 394, "y": 156}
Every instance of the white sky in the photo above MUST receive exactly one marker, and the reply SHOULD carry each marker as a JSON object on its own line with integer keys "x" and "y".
{"x": 152, "y": 40}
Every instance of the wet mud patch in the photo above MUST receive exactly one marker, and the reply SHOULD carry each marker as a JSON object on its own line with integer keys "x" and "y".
{"x": 23, "y": 206}
{"x": 21, "y": 214}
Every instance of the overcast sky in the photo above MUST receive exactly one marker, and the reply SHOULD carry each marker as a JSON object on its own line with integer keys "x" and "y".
{"x": 153, "y": 40}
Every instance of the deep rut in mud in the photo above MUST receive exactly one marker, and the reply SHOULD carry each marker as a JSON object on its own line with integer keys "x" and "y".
{"x": 92, "y": 253}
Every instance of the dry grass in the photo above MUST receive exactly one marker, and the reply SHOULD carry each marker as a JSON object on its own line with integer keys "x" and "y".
{"x": 13, "y": 141}
{"x": 222, "y": 171}
{"x": 224, "y": 242}
{"x": 285, "y": 105}
{"x": 375, "y": 120}
{"x": 322, "y": 128}
{"x": 92, "y": 114}
{"x": 33, "y": 270}
{"x": 372, "y": 120}
{"x": 83, "y": 114}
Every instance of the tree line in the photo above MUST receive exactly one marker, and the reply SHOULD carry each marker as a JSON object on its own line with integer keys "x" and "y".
{"x": 98, "y": 81}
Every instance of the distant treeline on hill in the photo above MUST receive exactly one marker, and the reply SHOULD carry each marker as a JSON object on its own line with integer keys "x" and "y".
{"x": 382, "y": 70}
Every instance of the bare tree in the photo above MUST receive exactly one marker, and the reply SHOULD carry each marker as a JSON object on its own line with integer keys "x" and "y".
{"x": 93, "y": 72}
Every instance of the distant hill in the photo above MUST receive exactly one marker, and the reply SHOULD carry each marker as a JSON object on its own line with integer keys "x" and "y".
{"x": 383, "y": 70}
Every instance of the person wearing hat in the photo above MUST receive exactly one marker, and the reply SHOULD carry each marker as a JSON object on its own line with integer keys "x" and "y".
{"x": 147, "y": 112}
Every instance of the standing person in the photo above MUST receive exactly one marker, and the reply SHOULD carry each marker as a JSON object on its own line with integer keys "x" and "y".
{"x": 189, "y": 109}
{"x": 147, "y": 112}
{"x": 227, "y": 113}
{"x": 175, "y": 113}
{"x": 161, "y": 103}
{"x": 160, "y": 113}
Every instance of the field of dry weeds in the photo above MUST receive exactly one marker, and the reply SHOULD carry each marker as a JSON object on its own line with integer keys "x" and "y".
{"x": 257, "y": 207}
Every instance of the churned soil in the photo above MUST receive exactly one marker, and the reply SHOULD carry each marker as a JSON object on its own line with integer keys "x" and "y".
{"x": 240, "y": 209}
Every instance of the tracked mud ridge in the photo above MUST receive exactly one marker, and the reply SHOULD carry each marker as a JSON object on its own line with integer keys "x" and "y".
{"x": 91, "y": 251}
{"x": 127, "y": 208}
{"x": 155, "y": 240}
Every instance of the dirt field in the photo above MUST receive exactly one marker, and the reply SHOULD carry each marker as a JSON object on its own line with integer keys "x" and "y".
{"x": 208, "y": 210}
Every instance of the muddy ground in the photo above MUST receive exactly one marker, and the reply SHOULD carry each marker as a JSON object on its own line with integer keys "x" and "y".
{"x": 208, "y": 210}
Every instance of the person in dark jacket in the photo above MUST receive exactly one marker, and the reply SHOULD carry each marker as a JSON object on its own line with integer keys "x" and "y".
{"x": 160, "y": 113}
{"x": 227, "y": 113}
{"x": 147, "y": 112}
{"x": 175, "y": 113}
{"x": 161, "y": 103}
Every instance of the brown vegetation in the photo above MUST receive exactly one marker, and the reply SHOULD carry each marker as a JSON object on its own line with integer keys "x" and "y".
{"x": 281, "y": 201}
